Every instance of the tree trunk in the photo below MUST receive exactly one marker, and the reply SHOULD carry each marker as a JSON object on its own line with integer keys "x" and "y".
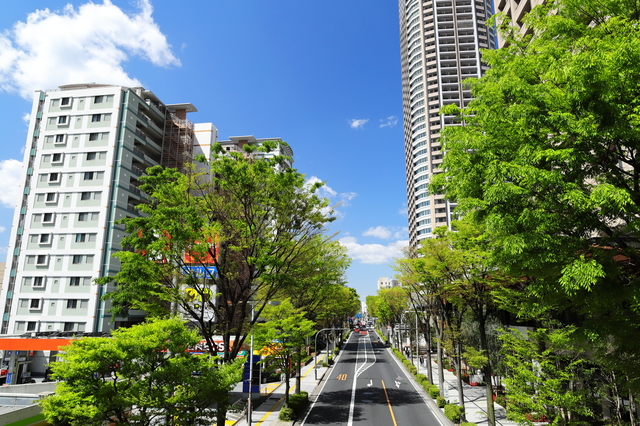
{"x": 439, "y": 332}
{"x": 287, "y": 376}
{"x": 428, "y": 340}
{"x": 632, "y": 408}
{"x": 460, "y": 386}
{"x": 298, "y": 370}
{"x": 488, "y": 372}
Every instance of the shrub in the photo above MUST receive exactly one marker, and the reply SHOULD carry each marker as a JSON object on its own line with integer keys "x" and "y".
{"x": 298, "y": 401}
{"x": 330, "y": 360}
{"x": 446, "y": 364}
{"x": 287, "y": 415}
{"x": 421, "y": 377}
{"x": 324, "y": 364}
{"x": 413, "y": 370}
{"x": 434, "y": 391}
{"x": 501, "y": 401}
{"x": 453, "y": 412}
{"x": 336, "y": 350}
{"x": 467, "y": 424}
{"x": 441, "y": 402}
{"x": 425, "y": 384}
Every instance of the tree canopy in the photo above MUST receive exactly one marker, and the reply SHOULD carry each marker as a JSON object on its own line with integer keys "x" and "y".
{"x": 140, "y": 376}
{"x": 211, "y": 241}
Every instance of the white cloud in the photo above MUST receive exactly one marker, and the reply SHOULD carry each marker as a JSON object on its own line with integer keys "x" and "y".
{"x": 89, "y": 44}
{"x": 378, "y": 232}
{"x": 373, "y": 254}
{"x": 26, "y": 117}
{"x": 335, "y": 199}
{"x": 10, "y": 171}
{"x": 358, "y": 123}
{"x": 389, "y": 121}
{"x": 2, "y": 229}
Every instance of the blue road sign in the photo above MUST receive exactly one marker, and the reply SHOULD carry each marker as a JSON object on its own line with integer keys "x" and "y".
{"x": 200, "y": 271}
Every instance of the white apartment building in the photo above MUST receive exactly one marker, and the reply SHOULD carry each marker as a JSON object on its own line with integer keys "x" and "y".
{"x": 439, "y": 47}
{"x": 385, "y": 282}
{"x": 236, "y": 143}
{"x": 87, "y": 144}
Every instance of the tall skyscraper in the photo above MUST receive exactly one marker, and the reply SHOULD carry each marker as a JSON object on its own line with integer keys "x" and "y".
{"x": 87, "y": 145}
{"x": 439, "y": 44}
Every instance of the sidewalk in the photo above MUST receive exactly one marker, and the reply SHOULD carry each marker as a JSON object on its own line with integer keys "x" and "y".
{"x": 266, "y": 413}
{"x": 475, "y": 398}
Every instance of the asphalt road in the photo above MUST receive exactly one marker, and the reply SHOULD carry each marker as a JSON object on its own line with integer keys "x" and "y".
{"x": 367, "y": 386}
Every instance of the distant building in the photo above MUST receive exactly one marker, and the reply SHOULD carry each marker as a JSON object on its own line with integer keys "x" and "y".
{"x": 87, "y": 146}
{"x": 385, "y": 282}
{"x": 236, "y": 143}
{"x": 440, "y": 44}
{"x": 515, "y": 11}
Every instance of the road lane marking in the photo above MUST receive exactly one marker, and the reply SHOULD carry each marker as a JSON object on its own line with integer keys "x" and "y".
{"x": 389, "y": 404}
{"x": 342, "y": 377}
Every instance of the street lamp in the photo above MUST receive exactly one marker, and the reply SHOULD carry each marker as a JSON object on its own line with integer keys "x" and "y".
{"x": 315, "y": 352}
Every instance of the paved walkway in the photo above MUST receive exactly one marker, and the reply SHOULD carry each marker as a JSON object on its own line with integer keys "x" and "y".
{"x": 266, "y": 413}
{"x": 475, "y": 398}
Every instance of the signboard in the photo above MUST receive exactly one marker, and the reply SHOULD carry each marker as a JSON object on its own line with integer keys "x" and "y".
{"x": 200, "y": 271}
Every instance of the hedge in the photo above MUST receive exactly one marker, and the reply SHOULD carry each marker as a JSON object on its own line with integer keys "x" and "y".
{"x": 453, "y": 412}
{"x": 434, "y": 391}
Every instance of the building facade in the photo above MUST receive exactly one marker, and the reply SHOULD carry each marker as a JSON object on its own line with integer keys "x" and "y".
{"x": 440, "y": 42}
{"x": 87, "y": 146}
{"x": 385, "y": 282}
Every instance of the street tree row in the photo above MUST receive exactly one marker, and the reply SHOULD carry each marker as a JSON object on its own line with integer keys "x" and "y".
{"x": 219, "y": 241}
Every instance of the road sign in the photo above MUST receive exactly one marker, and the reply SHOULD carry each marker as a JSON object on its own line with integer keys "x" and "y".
{"x": 200, "y": 271}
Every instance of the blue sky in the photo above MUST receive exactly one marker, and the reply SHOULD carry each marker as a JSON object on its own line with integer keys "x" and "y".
{"x": 324, "y": 75}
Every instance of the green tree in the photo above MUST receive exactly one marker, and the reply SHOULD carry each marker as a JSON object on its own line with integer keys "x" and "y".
{"x": 282, "y": 336}
{"x": 547, "y": 159}
{"x": 247, "y": 217}
{"x": 140, "y": 376}
{"x": 545, "y": 377}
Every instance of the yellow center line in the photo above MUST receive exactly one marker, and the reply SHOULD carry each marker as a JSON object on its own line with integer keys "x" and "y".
{"x": 389, "y": 404}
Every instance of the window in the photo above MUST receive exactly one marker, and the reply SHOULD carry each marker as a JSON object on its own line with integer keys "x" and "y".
{"x": 95, "y": 118}
{"x": 72, "y": 304}
{"x": 38, "y": 281}
{"x": 54, "y": 177}
{"x": 93, "y": 136}
{"x": 31, "y": 326}
{"x": 85, "y": 196}
{"x": 56, "y": 158}
{"x": 45, "y": 239}
{"x": 98, "y": 99}
{"x": 83, "y": 217}
{"x": 65, "y": 102}
{"x": 51, "y": 197}
{"x": 42, "y": 259}
{"x": 75, "y": 281}
{"x": 88, "y": 175}
{"x": 91, "y": 155}
{"x": 77, "y": 258}
{"x": 63, "y": 119}
{"x": 81, "y": 238}
{"x": 68, "y": 326}
{"x": 59, "y": 139}
{"x": 35, "y": 303}
{"x": 47, "y": 218}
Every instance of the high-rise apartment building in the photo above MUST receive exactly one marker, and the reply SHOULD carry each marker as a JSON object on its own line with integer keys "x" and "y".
{"x": 87, "y": 145}
{"x": 439, "y": 44}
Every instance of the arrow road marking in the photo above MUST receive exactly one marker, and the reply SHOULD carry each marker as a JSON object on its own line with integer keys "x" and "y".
{"x": 370, "y": 383}
{"x": 398, "y": 384}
